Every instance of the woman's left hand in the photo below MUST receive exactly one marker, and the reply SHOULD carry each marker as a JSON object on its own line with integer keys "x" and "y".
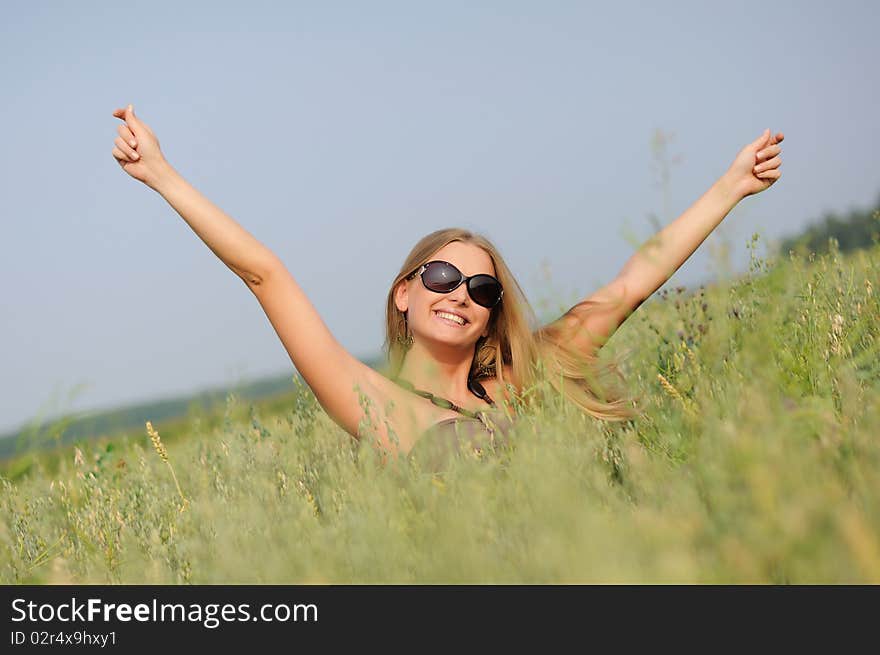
{"x": 756, "y": 167}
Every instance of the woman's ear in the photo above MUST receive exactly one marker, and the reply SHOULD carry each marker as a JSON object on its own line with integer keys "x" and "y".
{"x": 400, "y": 296}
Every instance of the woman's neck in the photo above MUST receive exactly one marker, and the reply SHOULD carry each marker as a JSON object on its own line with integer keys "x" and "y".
{"x": 443, "y": 374}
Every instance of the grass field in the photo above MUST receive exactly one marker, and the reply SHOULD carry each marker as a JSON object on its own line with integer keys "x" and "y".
{"x": 758, "y": 461}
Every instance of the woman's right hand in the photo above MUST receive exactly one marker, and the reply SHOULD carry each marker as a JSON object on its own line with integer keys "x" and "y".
{"x": 137, "y": 148}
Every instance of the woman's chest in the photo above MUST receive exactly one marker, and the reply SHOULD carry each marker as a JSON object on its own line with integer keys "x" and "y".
{"x": 410, "y": 415}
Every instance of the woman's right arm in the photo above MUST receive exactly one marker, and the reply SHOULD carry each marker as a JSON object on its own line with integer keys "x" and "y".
{"x": 330, "y": 370}
{"x": 324, "y": 363}
{"x": 241, "y": 252}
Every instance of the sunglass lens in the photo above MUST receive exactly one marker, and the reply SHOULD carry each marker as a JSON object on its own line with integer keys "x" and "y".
{"x": 485, "y": 290}
{"x": 441, "y": 277}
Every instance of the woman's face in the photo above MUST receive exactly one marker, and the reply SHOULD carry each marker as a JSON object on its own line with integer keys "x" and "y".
{"x": 422, "y": 304}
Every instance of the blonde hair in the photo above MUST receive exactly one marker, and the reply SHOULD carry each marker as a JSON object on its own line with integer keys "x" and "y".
{"x": 514, "y": 340}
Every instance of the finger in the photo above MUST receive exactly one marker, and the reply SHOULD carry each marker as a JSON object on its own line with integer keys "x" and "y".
{"x": 761, "y": 141}
{"x": 120, "y": 156}
{"x": 775, "y": 139}
{"x": 768, "y": 151}
{"x": 130, "y": 152}
{"x": 133, "y": 122}
{"x": 770, "y": 175}
{"x": 126, "y": 135}
{"x": 767, "y": 165}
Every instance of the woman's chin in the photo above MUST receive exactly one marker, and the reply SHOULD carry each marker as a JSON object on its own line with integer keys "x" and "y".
{"x": 443, "y": 337}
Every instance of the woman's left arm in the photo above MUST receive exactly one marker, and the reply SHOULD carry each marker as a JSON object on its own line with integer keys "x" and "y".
{"x": 590, "y": 323}
{"x": 755, "y": 168}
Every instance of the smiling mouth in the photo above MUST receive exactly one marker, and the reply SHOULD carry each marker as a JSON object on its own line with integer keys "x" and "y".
{"x": 449, "y": 321}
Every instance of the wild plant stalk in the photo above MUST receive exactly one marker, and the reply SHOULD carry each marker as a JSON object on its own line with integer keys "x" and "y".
{"x": 670, "y": 390}
{"x": 163, "y": 453}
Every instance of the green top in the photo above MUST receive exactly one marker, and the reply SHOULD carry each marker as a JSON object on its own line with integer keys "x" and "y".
{"x": 455, "y": 436}
{"x": 450, "y": 437}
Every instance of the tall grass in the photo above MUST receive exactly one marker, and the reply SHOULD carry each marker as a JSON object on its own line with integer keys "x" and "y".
{"x": 757, "y": 461}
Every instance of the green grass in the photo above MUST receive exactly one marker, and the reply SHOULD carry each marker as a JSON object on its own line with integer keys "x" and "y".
{"x": 757, "y": 462}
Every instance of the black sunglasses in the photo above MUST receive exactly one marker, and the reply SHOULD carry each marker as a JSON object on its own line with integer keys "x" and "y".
{"x": 443, "y": 277}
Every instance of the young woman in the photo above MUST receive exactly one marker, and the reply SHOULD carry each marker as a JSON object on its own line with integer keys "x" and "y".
{"x": 460, "y": 334}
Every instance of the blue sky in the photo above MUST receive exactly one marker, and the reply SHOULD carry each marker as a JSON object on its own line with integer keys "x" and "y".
{"x": 339, "y": 134}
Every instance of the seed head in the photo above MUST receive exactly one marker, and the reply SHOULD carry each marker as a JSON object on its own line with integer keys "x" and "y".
{"x": 157, "y": 442}
{"x": 667, "y": 386}
{"x": 160, "y": 448}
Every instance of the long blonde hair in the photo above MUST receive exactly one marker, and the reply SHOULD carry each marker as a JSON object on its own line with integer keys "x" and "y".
{"x": 514, "y": 339}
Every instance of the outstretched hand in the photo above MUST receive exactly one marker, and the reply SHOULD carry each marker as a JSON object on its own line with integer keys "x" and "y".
{"x": 137, "y": 148}
{"x": 756, "y": 167}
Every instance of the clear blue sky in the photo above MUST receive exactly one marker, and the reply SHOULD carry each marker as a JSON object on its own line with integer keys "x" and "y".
{"x": 339, "y": 134}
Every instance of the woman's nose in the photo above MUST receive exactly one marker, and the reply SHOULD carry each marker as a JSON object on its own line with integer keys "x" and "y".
{"x": 460, "y": 294}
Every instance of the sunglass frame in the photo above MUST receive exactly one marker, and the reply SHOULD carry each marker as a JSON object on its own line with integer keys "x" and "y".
{"x": 463, "y": 279}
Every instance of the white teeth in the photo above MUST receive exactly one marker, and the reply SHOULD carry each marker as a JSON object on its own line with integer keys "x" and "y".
{"x": 451, "y": 317}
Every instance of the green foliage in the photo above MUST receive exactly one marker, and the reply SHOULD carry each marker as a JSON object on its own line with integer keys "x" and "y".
{"x": 757, "y": 461}
{"x": 857, "y": 229}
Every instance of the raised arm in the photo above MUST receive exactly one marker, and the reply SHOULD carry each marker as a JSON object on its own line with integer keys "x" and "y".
{"x": 590, "y": 323}
{"x": 144, "y": 161}
{"x": 326, "y": 366}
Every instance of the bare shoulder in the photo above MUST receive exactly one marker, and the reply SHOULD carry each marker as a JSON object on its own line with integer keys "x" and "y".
{"x": 392, "y": 407}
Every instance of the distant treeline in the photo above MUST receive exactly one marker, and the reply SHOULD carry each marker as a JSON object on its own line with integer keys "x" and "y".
{"x": 857, "y": 229}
